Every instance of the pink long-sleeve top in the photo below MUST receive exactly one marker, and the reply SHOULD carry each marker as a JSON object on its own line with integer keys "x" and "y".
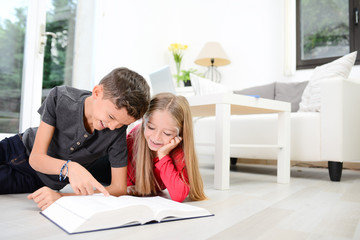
{"x": 170, "y": 171}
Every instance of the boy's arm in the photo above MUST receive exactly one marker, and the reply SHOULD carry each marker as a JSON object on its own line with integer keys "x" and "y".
{"x": 45, "y": 196}
{"x": 38, "y": 159}
{"x": 118, "y": 185}
{"x": 80, "y": 179}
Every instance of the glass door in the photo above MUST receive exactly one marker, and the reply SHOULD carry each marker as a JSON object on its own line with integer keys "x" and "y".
{"x": 36, "y": 42}
{"x": 13, "y": 20}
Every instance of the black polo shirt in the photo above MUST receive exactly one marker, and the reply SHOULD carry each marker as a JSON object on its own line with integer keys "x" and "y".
{"x": 64, "y": 109}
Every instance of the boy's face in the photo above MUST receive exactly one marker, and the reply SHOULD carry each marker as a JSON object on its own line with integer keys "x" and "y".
{"x": 106, "y": 114}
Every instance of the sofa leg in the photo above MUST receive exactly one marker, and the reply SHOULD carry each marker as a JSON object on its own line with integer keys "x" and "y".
{"x": 335, "y": 170}
{"x": 233, "y": 161}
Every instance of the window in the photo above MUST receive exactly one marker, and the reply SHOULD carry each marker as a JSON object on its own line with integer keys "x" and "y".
{"x": 326, "y": 30}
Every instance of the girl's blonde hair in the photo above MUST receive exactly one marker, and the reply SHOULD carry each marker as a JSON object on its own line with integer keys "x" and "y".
{"x": 179, "y": 109}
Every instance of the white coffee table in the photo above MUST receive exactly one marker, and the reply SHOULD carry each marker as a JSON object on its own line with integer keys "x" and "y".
{"x": 223, "y": 106}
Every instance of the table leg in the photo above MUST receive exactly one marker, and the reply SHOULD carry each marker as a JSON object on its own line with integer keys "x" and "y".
{"x": 222, "y": 147}
{"x": 283, "y": 162}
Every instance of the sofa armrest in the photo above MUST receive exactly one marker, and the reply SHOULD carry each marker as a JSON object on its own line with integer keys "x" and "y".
{"x": 340, "y": 120}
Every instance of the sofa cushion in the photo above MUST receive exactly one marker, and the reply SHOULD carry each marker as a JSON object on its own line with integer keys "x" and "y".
{"x": 337, "y": 69}
{"x": 263, "y": 91}
{"x": 290, "y": 92}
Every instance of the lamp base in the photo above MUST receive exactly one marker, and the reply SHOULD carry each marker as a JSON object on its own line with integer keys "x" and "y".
{"x": 213, "y": 74}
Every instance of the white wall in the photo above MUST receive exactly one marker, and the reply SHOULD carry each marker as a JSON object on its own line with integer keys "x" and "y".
{"x": 136, "y": 34}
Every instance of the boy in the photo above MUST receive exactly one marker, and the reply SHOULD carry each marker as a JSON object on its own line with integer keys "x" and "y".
{"x": 77, "y": 127}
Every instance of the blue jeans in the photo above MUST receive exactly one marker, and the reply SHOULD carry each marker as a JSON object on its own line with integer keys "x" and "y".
{"x": 16, "y": 175}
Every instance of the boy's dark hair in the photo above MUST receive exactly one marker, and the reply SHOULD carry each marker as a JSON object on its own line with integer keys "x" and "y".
{"x": 128, "y": 89}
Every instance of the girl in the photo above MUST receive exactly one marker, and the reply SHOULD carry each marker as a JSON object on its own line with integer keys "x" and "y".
{"x": 161, "y": 152}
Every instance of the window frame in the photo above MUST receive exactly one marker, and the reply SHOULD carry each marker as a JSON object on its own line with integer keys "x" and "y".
{"x": 354, "y": 42}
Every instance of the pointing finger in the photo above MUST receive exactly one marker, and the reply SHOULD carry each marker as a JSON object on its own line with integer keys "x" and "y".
{"x": 101, "y": 188}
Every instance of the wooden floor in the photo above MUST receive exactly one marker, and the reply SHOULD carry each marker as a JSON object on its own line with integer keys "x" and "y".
{"x": 255, "y": 207}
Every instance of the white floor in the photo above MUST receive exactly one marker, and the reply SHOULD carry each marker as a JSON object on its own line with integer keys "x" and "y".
{"x": 255, "y": 207}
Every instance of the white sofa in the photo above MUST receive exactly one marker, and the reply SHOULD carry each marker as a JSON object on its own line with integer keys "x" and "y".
{"x": 332, "y": 135}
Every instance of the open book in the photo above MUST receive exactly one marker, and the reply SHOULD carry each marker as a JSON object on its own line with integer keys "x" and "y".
{"x": 76, "y": 214}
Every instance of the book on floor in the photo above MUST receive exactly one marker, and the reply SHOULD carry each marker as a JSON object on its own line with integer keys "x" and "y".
{"x": 77, "y": 214}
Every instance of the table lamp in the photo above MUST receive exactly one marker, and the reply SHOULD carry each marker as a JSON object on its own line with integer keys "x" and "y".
{"x": 212, "y": 55}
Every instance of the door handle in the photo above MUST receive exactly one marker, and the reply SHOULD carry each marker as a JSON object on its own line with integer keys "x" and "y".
{"x": 356, "y": 16}
{"x": 51, "y": 34}
{"x": 43, "y": 37}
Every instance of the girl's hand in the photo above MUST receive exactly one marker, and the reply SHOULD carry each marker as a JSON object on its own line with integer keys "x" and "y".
{"x": 166, "y": 149}
{"x": 44, "y": 197}
{"x": 82, "y": 182}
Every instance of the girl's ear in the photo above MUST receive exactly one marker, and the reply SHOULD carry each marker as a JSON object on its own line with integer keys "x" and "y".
{"x": 98, "y": 91}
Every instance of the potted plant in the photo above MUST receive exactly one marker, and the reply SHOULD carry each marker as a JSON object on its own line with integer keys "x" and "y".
{"x": 185, "y": 76}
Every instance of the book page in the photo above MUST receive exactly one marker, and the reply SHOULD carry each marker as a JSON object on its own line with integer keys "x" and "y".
{"x": 164, "y": 208}
{"x": 86, "y": 206}
{"x": 124, "y": 216}
{"x": 85, "y": 213}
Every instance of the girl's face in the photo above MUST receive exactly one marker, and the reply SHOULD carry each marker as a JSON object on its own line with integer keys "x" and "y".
{"x": 160, "y": 129}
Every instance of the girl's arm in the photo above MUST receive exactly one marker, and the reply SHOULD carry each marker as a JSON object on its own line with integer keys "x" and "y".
{"x": 80, "y": 179}
{"x": 170, "y": 176}
{"x": 172, "y": 179}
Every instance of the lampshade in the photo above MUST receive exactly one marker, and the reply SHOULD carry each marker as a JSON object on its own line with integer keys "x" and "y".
{"x": 212, "y": 51}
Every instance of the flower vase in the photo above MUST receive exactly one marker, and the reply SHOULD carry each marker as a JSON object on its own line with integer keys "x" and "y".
{"x": 178, "y": 77}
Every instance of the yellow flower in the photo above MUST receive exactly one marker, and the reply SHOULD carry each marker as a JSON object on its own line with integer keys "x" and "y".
{"x": 176, "y": 47}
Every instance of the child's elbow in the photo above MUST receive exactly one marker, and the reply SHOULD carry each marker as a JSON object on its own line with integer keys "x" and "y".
{"x": 121, "y": 192}
{"x": 32, "y": 161}
{"x": 180, "y": 195}
{"x": 116, "y": 191}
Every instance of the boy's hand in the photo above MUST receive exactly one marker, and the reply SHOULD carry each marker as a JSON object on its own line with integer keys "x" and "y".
{"x": 82, "y": 182}
{"x": 166, "y": 149}
{"x": 44, "y": 197}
